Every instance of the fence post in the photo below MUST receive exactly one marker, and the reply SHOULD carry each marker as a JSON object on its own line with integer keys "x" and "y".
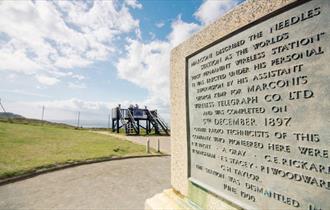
{"x": 158, "y": 145}
{"x": 148, "y": 146}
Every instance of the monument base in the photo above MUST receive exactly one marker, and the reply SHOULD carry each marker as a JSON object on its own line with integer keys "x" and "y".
{"x": 169, "y": 199}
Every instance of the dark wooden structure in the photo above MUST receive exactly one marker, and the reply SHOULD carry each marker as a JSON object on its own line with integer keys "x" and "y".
{"x": 131, "y": 120}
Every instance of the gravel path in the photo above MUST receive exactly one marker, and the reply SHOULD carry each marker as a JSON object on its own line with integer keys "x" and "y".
{"x": 120, "y": 184}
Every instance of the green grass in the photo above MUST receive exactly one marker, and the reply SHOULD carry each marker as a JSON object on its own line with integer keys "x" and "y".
{"x": 28, "y": 121}
{"x": 28, "y": 147}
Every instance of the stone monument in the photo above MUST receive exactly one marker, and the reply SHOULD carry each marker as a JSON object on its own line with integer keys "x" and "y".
{"x": 251, "y": 111}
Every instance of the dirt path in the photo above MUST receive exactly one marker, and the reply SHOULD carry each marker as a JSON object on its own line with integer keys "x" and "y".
{"x": 121, "y": 184}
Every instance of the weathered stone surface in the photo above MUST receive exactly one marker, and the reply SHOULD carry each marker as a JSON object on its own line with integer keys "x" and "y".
{"x": 302, "y": 118}
{"x": 259, "y": 112}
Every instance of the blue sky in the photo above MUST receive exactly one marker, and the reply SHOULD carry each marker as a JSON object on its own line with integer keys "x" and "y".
{"x": 88, "y": 56}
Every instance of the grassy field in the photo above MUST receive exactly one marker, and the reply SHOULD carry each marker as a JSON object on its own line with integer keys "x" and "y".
{"x": 28, "y": 121}
{"x": 28, "y": 147}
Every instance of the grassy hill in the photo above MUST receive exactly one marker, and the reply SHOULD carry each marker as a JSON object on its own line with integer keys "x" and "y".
{"x": 9, "y": 115}
{"x": 18, "y": 119}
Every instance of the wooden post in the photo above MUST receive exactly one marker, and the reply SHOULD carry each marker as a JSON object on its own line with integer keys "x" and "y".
{"x": 148, "y": 146}
{"x": 158, "y": 145}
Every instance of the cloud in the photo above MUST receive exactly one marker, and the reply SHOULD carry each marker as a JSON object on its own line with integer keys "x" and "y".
{"x": 15, "y": 59}
{"x": 160, "y": 24}
{"x": 74, "y": 105}
{"x": 152, "y": 35}
{"x": 210, "y": 10}
{"x": 76, "y": 85}
{"x": 62, "y": 110}
{"x": 51, "y": 37}
{"x": 12, "y": 77}
{"x": 147, "y": 64}
{"x": 46, "y": 80}
{"x": 78, "y": 77}
{"x": 181, "y": 31}
{"x": 134, "y": 4}
{"x": 23, "y": 92}
{"x": 138, "y": 33}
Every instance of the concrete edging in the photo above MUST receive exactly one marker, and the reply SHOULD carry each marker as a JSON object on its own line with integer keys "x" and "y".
{"x": 37, "y": 172}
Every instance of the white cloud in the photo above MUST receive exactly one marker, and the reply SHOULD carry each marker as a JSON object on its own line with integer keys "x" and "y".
{"x": 138, "y": 33}
{"x": 12, "y": 77}
{"x": 181, "y": 31}
{"x": 134, "y": 4}
{"x": 147, "y": 64}
{"x": 160, "y": 24}
{"x": 46, "y": 80}
{"x": 44, "y": 37}
{"x": 152, "y": 35}
{"x": 61, "y": 110}
{"x": 78, "y": 77}
{"x": 72, "y": 104}
{"x": 76, "y": 85}
{"x": 210, "y": 10}
{"x": 23, "y": 92}
{"x": 16, "y": 60}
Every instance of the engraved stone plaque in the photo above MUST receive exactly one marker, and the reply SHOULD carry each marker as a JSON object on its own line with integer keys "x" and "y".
{"x": 259, "y": 113}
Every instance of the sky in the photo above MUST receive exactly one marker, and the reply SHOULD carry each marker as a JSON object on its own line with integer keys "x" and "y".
{"x": 90, "y": 56}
